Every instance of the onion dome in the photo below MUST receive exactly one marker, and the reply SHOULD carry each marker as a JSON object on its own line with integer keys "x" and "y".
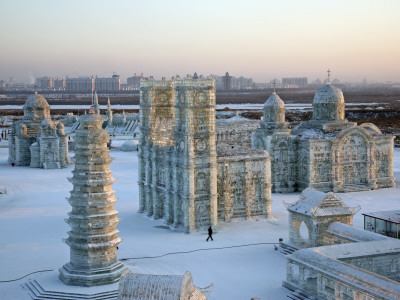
{"x": 328, "y": 104}
{"x": 36, "y": 108}
{"x": 274, "y": 109}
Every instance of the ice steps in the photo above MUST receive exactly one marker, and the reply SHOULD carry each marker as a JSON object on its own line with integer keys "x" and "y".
{"x": 300, "y": 295}
{"x": 36, "y": 292}
{"x": 356, "y": 188}
{"x": 286, "y": 249}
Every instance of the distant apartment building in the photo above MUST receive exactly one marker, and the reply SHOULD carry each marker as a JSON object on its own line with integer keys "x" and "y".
{"x": 59, "y": 83}
{"x": 227, "y": 82}
{"x": 110, "y": 84}
{"x": 294, "y": 82}
{"x": 3, "y": 85}
{"x": 317, "y": 81}
{"x": 44, "y": 83}
{"x": 47, "y": 83}
{"x": 242, "y": 83}
{"x": 133, "y": 83}
{"x": 219, "y": 83}
{"x": 80, "y": 84}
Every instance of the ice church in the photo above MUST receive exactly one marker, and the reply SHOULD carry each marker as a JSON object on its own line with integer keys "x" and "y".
{"x": 328, "y": 152}
{"x": 185, "y": 176}
{"x": 36, "y": 140}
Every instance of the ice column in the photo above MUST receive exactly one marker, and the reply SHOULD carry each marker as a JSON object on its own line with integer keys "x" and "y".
{"x": 93, "y": 238}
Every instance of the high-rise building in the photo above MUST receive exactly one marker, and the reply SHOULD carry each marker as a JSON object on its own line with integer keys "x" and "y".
{"x": 59, "y": 83}
{"x": 294, "y": 82}
{"x": 227, "y": 82}
{"x": 110, "y": 84}
{"x": 44, "y": 83}
{"x": 3, "y": 85}
{"x": 80, "y": 84}
{"x": 242, "y": 83}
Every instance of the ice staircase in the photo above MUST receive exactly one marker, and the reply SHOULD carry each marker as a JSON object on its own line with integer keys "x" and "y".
{"x": 286, "y": 249}
{"x": 300, "y": 295}
{"x": 74, "y": 127}
{"x": 131, "y": 126}
{"x": 356, "y": 188}
{"x": 37, "y": 292}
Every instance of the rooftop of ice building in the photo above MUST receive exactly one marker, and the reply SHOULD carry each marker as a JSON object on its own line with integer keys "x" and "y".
{"x": 328, "y": 94}
{"x": 316, "y": 203}
{"x": 36, "y": 107}
{"x": 274, "y": 100}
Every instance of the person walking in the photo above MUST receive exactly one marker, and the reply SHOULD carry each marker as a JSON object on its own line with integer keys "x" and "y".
{"x": 210, "y": 234}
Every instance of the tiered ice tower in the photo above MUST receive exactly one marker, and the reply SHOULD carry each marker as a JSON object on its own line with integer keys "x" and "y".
{"x": 93, "y": 238}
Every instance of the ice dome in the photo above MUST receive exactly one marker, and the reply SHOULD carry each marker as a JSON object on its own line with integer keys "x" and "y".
{"x": 274, "y": 100}
{"x": 131, "y": 145}
{"x": 36, "y": 107}
{"x": 329, "y": 94}
{"x": 328, "y": 104}
{"x": 274, "y": 109}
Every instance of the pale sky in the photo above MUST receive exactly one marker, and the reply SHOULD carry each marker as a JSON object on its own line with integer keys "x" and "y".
{"x": 262, "y": 39}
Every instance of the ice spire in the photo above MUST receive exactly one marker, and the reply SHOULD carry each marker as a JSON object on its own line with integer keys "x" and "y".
{"x": 96, "y": 104}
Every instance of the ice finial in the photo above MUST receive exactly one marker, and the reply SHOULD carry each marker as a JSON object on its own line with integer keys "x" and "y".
{"x": 108, "y": 103}
{"x": 329, "y": 76}
{"x": 96, "y": 104}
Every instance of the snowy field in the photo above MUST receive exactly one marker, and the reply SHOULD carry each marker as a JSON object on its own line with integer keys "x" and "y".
{"x": 32, "y": 227}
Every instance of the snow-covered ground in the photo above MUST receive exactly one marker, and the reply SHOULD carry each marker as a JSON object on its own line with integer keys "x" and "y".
{"x": 32, "y": 227}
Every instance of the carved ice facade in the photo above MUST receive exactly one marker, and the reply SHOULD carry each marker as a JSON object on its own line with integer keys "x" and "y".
{"x": 36, "y": 140}
{"x": 328, "y": 152}
{"x": 236, "y": 131}
{"x": 181, "y": 173}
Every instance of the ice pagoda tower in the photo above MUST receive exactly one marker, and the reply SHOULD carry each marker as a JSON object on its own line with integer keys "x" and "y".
{"x": 93, "y": 238}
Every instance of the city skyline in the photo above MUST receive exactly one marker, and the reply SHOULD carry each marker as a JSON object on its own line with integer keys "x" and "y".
{"x": 258, "y": 39}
